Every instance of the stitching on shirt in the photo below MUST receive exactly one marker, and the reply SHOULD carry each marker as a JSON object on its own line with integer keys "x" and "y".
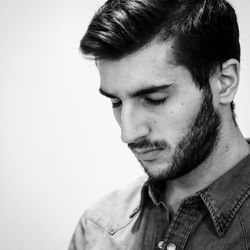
{"x": 98, "y": 225}
{"x": 243, "y": 229}
{"x": 223, "y": 223}
{"x": 213, "y": 213}
{"x": 155, "y": 230}
{"x": 186, "y": 233}
{"x": 111, "y": 230}
{"x": 237, "y": 206}
{"x": 172, "y": 225}
{"x": 196, "y": 220}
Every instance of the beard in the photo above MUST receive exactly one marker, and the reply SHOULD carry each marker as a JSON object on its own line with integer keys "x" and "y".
{"x": 194, "y": 147}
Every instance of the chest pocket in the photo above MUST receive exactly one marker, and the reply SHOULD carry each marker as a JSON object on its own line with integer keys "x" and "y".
{"x": 112, "y": 223}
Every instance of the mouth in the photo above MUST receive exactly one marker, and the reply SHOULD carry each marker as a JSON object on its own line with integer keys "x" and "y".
{"x": 147, "y": 155}
{"x": 142, "y": 152}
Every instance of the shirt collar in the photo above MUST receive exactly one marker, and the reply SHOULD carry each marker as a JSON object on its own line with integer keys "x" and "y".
{"x": 154, "y": 191}
{"x": 227, "y": 194}
{"x": 223, "y": 198}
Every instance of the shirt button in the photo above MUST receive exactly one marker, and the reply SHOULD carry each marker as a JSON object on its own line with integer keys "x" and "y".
{"x": 161, "y": 244}
{"x": 171, "y": 246}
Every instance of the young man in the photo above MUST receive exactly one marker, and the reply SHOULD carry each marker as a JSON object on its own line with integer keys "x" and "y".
{"x": 171, "y": 70}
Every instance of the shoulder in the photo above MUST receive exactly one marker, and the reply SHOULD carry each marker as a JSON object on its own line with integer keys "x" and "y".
{"x": 115, "y": 209}
{"x": 107, "y": 216}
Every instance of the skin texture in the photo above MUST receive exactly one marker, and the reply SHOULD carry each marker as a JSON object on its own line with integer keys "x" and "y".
{"x": 170, "y": 138}
{"x": 157, "y": 105}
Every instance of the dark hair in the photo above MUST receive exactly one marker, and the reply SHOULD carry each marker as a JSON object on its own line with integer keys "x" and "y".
{"x": 205, "y": 32}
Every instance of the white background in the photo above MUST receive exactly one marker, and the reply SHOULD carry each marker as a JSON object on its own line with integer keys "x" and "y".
{"x": 60, "y": 148}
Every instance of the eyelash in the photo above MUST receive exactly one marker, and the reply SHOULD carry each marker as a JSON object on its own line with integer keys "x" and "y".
{"x": 147, "y": 100}
{"x": 155, "y": 102}
{"x": 116, "y": 104}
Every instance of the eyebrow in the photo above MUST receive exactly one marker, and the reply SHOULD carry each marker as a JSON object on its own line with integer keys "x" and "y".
{"x": 140, "y": 92}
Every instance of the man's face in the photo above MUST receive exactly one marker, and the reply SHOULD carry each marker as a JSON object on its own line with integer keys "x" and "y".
{"x": 168, "y": 123}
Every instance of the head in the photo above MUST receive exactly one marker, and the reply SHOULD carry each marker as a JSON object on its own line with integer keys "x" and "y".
{"x": 158, "y": 61}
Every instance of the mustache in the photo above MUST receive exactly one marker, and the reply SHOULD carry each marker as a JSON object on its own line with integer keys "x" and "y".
{"x": 147, "y": 144}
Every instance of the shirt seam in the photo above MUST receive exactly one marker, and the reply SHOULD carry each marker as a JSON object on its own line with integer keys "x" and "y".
{"x": 221, "y": 224}
{"x": 237, "y": 206}
{"x": 192, "y": 226}
{"x": 213, "y": 214}
{"x": 243, "y": 229}
{"x": 155, "y": 243}
{"x": 172, "y": 225}
{"x": 111, "y": 230}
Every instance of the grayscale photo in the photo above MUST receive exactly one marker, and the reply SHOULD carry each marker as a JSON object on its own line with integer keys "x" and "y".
{"x": 125, "y": 125}
{"x": 171, "y": 70}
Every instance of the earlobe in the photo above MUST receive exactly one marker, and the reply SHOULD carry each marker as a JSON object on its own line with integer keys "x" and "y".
{"x": 229, "y": 81}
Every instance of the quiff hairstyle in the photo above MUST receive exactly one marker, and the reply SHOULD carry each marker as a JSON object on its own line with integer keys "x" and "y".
{"x": 205, "y": 33}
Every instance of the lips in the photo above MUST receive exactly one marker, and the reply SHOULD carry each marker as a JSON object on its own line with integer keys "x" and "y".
{"x": 147, "y": 155}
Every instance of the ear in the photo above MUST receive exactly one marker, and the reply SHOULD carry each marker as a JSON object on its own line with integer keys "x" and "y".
{"x": 229, "y": 81}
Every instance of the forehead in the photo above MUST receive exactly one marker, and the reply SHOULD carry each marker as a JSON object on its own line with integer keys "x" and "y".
{"x": 150, "y": 66}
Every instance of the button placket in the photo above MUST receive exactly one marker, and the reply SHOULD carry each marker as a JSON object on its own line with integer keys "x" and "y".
{"x": 171, "y": 246}
{"x": 161, "y": 244}
{"x": 185, "y": 219}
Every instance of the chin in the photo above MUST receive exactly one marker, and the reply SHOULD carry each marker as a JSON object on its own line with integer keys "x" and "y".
{"x": 157, "y": 171}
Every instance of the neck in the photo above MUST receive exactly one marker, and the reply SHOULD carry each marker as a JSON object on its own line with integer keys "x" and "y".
{"x": 227, "y": 153}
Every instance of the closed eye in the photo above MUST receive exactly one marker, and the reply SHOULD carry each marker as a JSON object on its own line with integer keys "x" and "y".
{"x": 155, "y": 102}
{"x": 116, "y": 104}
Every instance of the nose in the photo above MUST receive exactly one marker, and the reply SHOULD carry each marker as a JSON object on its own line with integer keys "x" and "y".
{"x": 133, "y": 124}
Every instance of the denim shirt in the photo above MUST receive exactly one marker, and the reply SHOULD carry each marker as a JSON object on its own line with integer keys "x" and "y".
{"x": 217, "y": 217}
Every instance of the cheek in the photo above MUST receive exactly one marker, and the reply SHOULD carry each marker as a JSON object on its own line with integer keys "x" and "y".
{"x": 174, "y": 122}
